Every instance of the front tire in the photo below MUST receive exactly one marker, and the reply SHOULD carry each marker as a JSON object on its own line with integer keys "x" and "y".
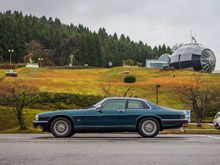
{"x": 61, "y": 127}
{"x": 148, "y": 127}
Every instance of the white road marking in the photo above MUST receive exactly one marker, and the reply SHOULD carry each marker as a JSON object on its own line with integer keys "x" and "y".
{"x": 210, "y": 136}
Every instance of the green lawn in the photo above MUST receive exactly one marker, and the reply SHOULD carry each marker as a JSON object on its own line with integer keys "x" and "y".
{"x": 8, "y": 121}
{"x": 92, "y": 81}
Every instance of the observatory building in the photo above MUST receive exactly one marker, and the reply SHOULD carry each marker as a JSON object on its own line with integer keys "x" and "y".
{"x": 193, "y": 56}
{"x": 161, "y": 63}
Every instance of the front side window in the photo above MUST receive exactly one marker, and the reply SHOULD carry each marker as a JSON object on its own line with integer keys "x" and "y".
{"x": 114, "y": 104}
{"x": 135, "y": 104}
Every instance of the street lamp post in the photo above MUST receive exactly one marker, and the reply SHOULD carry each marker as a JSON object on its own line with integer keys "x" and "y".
{"x": 10, "y": 52}
{"x": 110, "y": 64}
{"x": 40, "y": 61}
{"x": 157, "y": 93}
{"x": 71, "y": 60}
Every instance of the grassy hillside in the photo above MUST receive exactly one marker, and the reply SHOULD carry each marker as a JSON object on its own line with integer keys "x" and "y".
{"x": 92, "y": 82}
{"x": 9, "y": 121}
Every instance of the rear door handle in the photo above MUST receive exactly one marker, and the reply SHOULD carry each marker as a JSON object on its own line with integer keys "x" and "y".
{"x": 121, "y": 110}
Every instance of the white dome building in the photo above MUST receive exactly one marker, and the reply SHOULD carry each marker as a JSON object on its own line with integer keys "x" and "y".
{"x": 193, "y": 56}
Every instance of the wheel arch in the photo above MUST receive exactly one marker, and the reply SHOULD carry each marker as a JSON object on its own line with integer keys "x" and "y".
{"x": 151, "y": 116}
{"x": 56, "y": 116}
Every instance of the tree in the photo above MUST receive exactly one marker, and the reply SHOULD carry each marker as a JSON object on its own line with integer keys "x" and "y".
{"x": 1, "y": 55}
{"x": 35, "y": 49}
{"x": 199, "y": 95}
{"x": 18, "y": 95}
{"x": 109, "y": 91}
{"x": 129, "y": 62}
{"x": 93, "y": 48}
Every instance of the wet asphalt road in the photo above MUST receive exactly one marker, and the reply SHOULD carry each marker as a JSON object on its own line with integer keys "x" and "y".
{"x": 109, "y": 149}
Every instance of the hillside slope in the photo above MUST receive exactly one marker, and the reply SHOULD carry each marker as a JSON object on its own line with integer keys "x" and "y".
{"x": 96, "y": 81}
{"x": 100, "y": 82}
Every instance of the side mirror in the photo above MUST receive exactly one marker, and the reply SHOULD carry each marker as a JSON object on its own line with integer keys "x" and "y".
{"x": 99, "y": 108}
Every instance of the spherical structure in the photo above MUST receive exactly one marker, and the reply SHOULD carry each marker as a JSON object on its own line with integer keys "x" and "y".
{"x": 193, "y": 56}
{"x": 165, "y": 57}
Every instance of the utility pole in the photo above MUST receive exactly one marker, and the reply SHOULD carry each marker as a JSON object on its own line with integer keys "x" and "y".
{"x": 157, "y": 93}
{"x": 10, "y": 52}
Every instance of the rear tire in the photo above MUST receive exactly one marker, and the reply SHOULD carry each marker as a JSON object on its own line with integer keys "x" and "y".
{"x": 61, "y": 127}
{"x": 148, "y": 127}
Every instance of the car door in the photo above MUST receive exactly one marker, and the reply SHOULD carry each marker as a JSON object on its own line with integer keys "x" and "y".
{"x": 134, "y": 109}
{"x": 112, "y": 115}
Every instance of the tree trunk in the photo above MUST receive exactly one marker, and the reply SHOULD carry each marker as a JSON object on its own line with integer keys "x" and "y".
{"x": 199, "y": 123}
{"x": 21, "y": 121}
{"x": 200, "y": 116}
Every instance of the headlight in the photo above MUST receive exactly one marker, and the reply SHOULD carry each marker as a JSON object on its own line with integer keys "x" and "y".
{"x": 36, "y": 117}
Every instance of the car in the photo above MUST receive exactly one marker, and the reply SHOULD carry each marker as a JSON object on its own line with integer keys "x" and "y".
{"x": 216, "y": 121}
{"x": 114, "y": 114}
{"x": 11, "y": 73}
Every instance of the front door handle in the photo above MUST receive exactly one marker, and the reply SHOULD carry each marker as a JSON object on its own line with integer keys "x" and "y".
{"x": 121, "y": 110}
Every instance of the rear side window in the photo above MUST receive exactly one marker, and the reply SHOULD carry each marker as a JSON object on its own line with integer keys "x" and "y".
{"x": 135, "y": 104}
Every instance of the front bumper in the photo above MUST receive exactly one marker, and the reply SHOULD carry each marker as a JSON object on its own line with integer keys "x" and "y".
{"x": 42, "y": 124}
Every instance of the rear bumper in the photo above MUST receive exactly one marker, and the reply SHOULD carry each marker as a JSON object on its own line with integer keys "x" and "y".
{"x": 173, "y": 123}
{"x": 42, "y": 124}
{"x": 183, "y": 121}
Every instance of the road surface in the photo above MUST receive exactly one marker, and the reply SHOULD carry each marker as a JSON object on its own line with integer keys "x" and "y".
{"x": 109, "y": 149}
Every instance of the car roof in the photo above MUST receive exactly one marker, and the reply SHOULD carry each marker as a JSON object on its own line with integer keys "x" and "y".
{"x": 125, "y": 98}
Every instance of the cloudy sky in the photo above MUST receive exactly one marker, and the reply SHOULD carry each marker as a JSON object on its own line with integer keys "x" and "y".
{"x": 151, "y": 21}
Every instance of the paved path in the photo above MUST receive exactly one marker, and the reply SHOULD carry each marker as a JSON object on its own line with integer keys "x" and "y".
{"x": 109, "y": 149}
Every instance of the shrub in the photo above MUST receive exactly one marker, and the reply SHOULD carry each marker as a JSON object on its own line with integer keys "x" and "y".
{"x": 66, "y": 101}
{"x": 129, "y": 62}
{"x": 129, "y": 79}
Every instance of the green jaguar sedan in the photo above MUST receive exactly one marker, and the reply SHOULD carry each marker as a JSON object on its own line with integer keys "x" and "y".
{"x": 114, "y": 114}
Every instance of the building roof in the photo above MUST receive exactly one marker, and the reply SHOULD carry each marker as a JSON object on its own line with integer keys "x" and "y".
{"x": 193, "y": 48}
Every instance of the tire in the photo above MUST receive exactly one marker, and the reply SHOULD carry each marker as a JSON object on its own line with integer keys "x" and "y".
{"x": 61, "y": 127}
{"x": 148, "y": 127}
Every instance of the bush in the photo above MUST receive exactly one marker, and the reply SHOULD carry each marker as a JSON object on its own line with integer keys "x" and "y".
{"x": 129, "y": 62}
{"x": 54, "y": 101}
{"x": 12, "y": 66}
{"x": 66, "y": 101}
{"x": 129, "y": 79}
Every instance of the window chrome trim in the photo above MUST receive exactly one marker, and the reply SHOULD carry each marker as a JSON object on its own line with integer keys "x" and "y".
{"x": 127, "y": 99}
{"x": 148, "y": 105}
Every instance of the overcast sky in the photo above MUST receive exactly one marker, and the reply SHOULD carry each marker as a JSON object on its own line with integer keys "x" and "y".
{"x": 151, "y": 21}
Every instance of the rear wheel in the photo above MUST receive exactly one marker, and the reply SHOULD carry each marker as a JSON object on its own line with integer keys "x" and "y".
{"x": 148, "y": 127}
{"x": 61, "y": 127}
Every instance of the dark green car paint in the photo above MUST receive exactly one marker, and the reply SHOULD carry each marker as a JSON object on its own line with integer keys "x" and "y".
{"x": 91, "y": 120}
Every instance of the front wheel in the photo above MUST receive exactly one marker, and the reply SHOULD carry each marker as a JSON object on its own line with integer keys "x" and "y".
{"x": 61, "y": 127}
{"x": 148, "y": 127}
